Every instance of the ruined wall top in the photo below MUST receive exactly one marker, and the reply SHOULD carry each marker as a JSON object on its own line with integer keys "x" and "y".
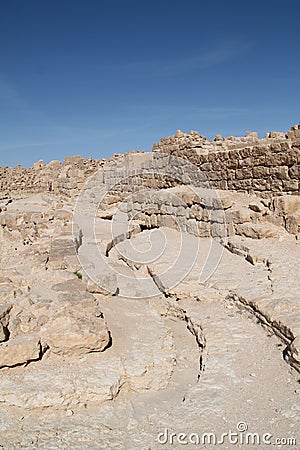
{"x": 248, "y": 163}
{"x": 195, "y": 140}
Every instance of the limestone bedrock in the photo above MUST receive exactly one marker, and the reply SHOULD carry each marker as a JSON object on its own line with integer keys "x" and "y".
{"x": 151, "y": 292}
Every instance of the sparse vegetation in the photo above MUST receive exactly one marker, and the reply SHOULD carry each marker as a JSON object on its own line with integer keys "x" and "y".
{"x": 78, "y": 274}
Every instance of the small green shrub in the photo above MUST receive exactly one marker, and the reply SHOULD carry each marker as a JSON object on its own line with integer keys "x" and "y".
{"x": 78, "y": 274}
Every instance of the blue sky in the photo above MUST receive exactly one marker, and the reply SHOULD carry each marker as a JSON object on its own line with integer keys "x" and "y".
{"x": 96, "y": 78}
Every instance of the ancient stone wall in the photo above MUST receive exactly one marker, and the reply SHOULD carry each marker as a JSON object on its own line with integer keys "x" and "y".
{"x": 65, "y": 178}
{"x": 62, "y": 178}
{"x": 218, "y": 214}
{"x": 269, "y": 165}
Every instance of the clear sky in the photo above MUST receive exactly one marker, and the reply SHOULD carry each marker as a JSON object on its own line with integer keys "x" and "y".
{"x": 101, "y": 77}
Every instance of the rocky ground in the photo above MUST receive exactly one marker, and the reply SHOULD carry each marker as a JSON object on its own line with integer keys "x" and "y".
{"x": 161, "y": 351}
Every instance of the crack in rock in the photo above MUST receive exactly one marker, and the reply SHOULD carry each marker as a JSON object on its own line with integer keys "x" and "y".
{"x": 278, "y": 328}
{"x": 194, "y": 327}
{"x": 11, "y": 355}
{"x": 241, "y": 250}
{"x": 122, "y": 237}
{"x": 157, "y": 281}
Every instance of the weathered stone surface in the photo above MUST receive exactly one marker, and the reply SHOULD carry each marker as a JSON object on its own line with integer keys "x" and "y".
{"x": 20, "y": 350}
{"x": 292, "y": 223}
{"x": 76, "y": 332}
{"x": 257, "y": 207}
{"x": 167, "y": 341}
{"x": 253, "y": 160}
{"x": 239, "y": 216}
{"x": 218, "y": 137}
{"x": 257, "y": 230}
{"x": 71, "y": 323}
{"x": 226, "y": 200}
{"x": 287, "y": 205}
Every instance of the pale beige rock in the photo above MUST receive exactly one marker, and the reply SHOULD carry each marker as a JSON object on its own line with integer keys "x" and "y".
{"x": 257, "y": 207}
{"x": 253, "y": 135}
{"x": 8, "y": 291}
{"x": 218, "y": 137}
{"x": 69, "y": 336}
{"x": 61, "y": 248}
{"x": 226, "y": 199}
{"x": 179, "y": 133}
{"x": 257, "y": 230}
{"x": 20, "y": 350}
{"x": 238, "y": 216}
{"x": 152, "y": 371}
{"x": 70, "y": 323}
{"x": 105, "y": 284}
{"x": 39, "y": 164}
{"x": 54, "y": 164}
{"x": 287, "y": 205}
{"x": 292, "y": 223}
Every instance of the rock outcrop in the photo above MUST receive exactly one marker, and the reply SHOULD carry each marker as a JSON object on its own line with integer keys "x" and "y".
{"x": 132, "y": 293}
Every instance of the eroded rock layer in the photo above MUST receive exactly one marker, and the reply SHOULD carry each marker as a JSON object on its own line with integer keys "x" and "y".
{"x": 150, "y": 294}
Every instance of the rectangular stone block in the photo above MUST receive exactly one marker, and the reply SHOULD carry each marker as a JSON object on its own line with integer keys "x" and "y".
{"x": 203, "y": 229}
{"x": 233, "y": 163}
{"x": 290, "y": 185}
{"x": 222, "y": 184}
{"x": 276, "y": 185}
{"x": 261, "y": 172}
{"x": 287, "y": 158}
{"x": 294, "y": 155}
{"x": 259, "y": 160}
{"x": 196, "y": 212}
{"x": 217, "y": 165}
{"x": 241, "y": 215}
{"x": 246, "y": 162}
{"x": 243, "y": 174}
{"x": 216, "y": 184}
{"x": 223, "y": 156}
{"x": 261, "y": 185}
{"x": 275, "y": 148}
{"x": 211, "y": 157}
{"x": 280, "y": 172}
{"x": 259, "y": 151}
{"x": 243, "y": 185}
{"x": 192, "y": 227}
{"x": 230, "y": 175}
{"x": 273, "y": 218}
{"x": 294, "y": 172}
{"x": 214, "y": 175}
{"x": 181, "y": 211}
{"x": 203, "y": 159}
{"x": 245, "y": 152}
{"x": 292, "y": 224}
{"x": 218, "y": 230}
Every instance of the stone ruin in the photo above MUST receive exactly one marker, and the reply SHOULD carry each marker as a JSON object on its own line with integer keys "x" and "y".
{"x": 151, "y": 292}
